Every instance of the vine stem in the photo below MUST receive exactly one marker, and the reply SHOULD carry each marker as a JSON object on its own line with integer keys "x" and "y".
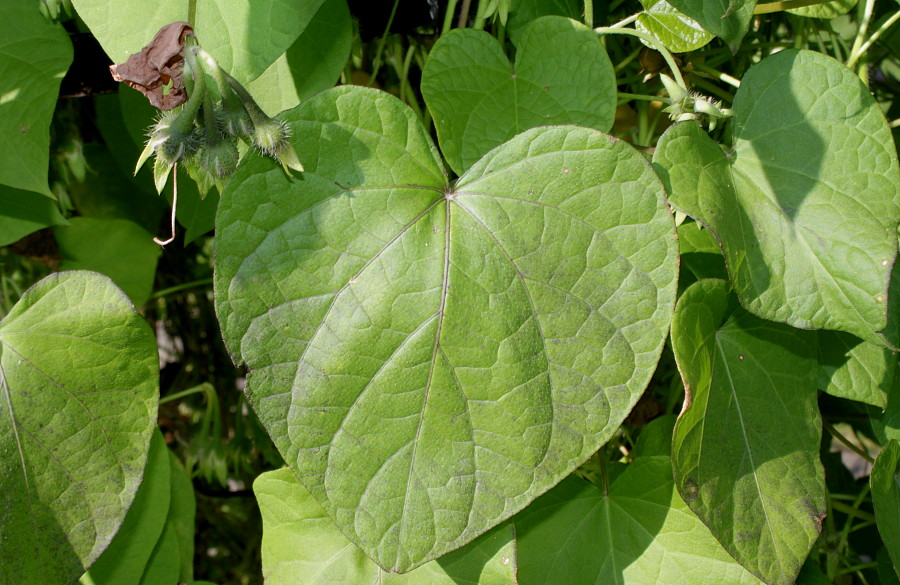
{"x": 867, "y": 11}
{"x": 377, "y": 61}
{"x": 670, "y": 60}
{"x": 464, "y": 14}
{"x": 589, "y": 13}
{"x": 723, "y": 77}
{"x": 448, "y": 17}
{"x": 837, "y": 435}
{"x": 855, "y": 55}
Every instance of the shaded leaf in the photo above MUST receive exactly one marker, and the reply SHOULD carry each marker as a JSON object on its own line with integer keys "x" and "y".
{"x": 807, "y": 205}
{"x": 831, "y": 9}
{"x": 673, "y": 29}
{"x": 727, "y": 19}
{"x": 885, "y": 483}
{"x": 426, "y": 364}
{"x": 123, "y": 562}
{"x": 312, "y": 64}
{"x": 886, "y": 424}
{"x": 118, "y": 248}
{"x": 479, "y": 100}
{"x": 182, "y": 512}
{"x": 24, "y": 212}
{"x": 745, "y": 450}
{"x": 244, "y": 37}
{"x": 34, "y": 56}
{"x": 855, "y": 369}
{"x": 524, "y": 12}
{"x": 301, "y": 544}
{"x": 638, "y": 533}
{"x": 78, "y": 399}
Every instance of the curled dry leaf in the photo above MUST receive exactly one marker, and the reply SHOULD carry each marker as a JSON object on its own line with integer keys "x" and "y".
{"x": 157, "y": 71}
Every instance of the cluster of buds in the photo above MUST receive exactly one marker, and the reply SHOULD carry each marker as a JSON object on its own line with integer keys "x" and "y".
{"x": 202, "y": 135}
{"x": 684, "y": 105}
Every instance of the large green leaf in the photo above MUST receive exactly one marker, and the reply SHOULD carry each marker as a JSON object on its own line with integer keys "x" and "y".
{"x": 301, "y": 544}
{"x": 24, "y": 212}
{"x": 746, "y": 446}
{"x": 244, "y": 37}
{"x": 885, "y": 482}
{"x": 479, "y": 100}
{"x": 855, "y": 369}
{"x": 637, "y": 532}
{"x": 727, "y": 19}
{"x": 34, "y": 56}
{"x": 123, "y": 562}
{"x": 312, "y": 64}
{"x": 430, "y": 359}
{"x": 78, "y": 398}
{"x": 806, "y": 206}
{"x": 673, "y": 29}
{"x": 118, "y": 248}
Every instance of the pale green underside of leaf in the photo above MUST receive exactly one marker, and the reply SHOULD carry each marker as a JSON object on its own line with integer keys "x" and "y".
{"x": 807, "y": 206}
{"x": 78, "y": 398}
{"x": 885, "y": 482}
{"x": 429, "y": 361}
{"x": 727, "y": 19}
{"x": 301, "y": 544}
{"x": 673, "y": 29}
{"x": 746, "y": 446}
{"x": 641, "y": 533}
{"x": 244, "y": 37}
{"x": 479, "y": 100}
{"x": 312, "y": 64}
{"x": 34, "y": 57}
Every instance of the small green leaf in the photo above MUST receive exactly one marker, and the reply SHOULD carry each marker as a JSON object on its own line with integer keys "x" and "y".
{"x": 673, "y": 29}
{"x": 244, "y": 37}
{"x": 885, "y": 483}
{"x": 746, "y": 446}
{"x": 430, "y": 359}
{"x": 34, "y": 57}
{"x": 312, "y": 64}
{"x": 855, "y": 369}
{"x": 118, "y": 248}
{"x": 479, "y": 100}
{"x": 25, "y": 212}
{"x": 301, "y": 544}
{"x": 78, "y": 398}
{"x": 806, "y": 207}
{"x": 637, "y": 532}
{"x": 727, "y": 19}
{"x": 123, "y": 562}
{"x": 831, "y": 9}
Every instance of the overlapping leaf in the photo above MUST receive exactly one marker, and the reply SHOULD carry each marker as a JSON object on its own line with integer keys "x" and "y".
{"x": 24, "y": 212}
{"x": 78, "y": 396}
{"x": 430, "y": 359}
{"x": 34, "y": 57}
{"x": 244, "y": 37}
{"x": 746, "y": 446}
{"x": 885, "y": 482}
{"x": 479, "y": 100}
{"x": 806, "y": 207}
{"x": 639, "y": 532}
{"x": 727, "y": 19}
{"x": 301, "y": 544}
{"x": 673, "y": 29}
{"x": 855, "y": 369}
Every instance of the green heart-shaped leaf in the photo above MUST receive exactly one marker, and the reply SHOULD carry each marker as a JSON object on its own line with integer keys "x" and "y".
{"x": 429, "y": 358}
{"x": 34, "y": 56}
{"x": 746, "y": 446}
{"x": 302, "y": 544}
{"x": 727, "y": 19}
{"x": 637, "y": 531}
{"x": 244, "y": 37}
{"x": 676, "y": 31}
{"x": 78, "y": 397}
{"x": 806, "y": 207}
{"x": 479, "y": 100}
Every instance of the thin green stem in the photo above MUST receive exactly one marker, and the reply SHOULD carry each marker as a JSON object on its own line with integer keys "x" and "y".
{"x": 180, "y": 287}
{"x": 199, "y": 389}
{"x": 723, "y": 77}
{"x": 837, "y": 435}
{"x": 624, "y": 21}
{"x": 866, "y": 11}
{"x": 480, "y": 18}
{"x": 379, "y": 51}
{"x": 856, "y": 568}
{"x": 851, "y": 511}
{"x": 448, "y": 17}
{"x": 464, "y": 14}
{"x": 670, "y": 60}
{"x": 770, "y": 7}
{"x": 589, "y": 13}
{"x": 854, "y": 57}
{"x": 624, "y": 62}
{"x": 624, "y": 98}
